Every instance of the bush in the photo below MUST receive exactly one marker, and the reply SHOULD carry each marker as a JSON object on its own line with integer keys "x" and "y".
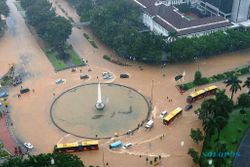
{"x": 106, "y": 57}
{"x": 245, "y": 120}
{"x": 201, "y": 81}
{"x": 242, "y": 111}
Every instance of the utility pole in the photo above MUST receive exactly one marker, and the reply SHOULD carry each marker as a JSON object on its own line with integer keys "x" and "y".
{"x": 152, "y": 88}
{"x": 103, "y": 162}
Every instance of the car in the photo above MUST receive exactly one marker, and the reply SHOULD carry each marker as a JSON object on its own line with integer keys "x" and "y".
{"x": 84, "y": 76}
{"x": 127, "y": 145}
{"x": 225, "y": 81}
{"x": 105, "y": 73}
{"x": 163, "y": 114}
{"x": 108, "y": 76}
{"x": 149, "y": 124}
{"x": 4, "y": 94}
{"x": 60, "y": 81}
{"x": 24, "y": 90}
{"x": 188, "y": 107}
{"x": 124, "y": 75}
{"x": 28, "y": 145}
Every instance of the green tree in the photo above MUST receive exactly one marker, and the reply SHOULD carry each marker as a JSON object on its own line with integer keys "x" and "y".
{"x": 247, "y": 84}
{"x": 196, "y": 135}
{"x": 197, "y": 77}
{"x": 234, "y": 84}
{"x": 172, "y": 35}
{"x": 4, "y": 9}
{"x": 60, "y": 160}
{"x": 244, "y": 100}
{"x": 220, "y": 123}
{"x": 194, "y": 154}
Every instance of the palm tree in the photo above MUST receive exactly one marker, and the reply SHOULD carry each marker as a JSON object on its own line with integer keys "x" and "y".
{"x": 220, "y": 122}
{"x": 247, "y": 84}
{"x": 234, "y": 84}
{"x": 172, "y": 35}
{"x": 209, "y": 126}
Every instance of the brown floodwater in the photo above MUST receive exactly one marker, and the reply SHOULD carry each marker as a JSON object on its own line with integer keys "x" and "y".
{"x": 74, "y": 111}
{"x": 31, "y": 117}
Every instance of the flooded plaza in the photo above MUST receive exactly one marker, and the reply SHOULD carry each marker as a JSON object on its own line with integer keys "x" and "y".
{"x": 75, "y": 113}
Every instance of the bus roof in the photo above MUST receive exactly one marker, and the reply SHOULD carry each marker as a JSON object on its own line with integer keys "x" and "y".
{"x": 197, "y": 93}
{"x": 172, "y": 114}
{"x": 212, "y": 87}
{"x": 90, "y": 142}
{"x": 75, "y": 144}
{"x": 67, "y": 145}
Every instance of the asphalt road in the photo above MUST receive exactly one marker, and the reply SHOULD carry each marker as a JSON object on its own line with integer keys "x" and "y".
{"x": 244, "y": 150}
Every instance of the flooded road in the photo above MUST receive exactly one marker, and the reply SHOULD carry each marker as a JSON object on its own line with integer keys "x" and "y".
{"x": 30, "y": 113}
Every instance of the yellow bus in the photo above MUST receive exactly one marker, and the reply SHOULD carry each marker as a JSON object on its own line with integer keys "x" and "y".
{"x": 199, "y": 94}
{"x": 172, "y": 115}
{"x": 77, "y": 146}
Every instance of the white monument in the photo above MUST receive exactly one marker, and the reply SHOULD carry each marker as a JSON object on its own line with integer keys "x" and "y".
{"x": 99, "y": 104}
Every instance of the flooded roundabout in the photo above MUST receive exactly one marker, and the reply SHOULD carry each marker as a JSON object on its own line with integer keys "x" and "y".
{"x": 76, "y": 110}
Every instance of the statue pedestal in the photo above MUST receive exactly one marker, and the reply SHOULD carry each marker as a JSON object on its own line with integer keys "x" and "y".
{"x": 99, "y": 106}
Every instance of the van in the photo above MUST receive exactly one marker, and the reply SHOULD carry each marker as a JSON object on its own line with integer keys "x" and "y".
{"x": 149, "y": 124}
{"x": 127, "y": 145}
{"x": 163, "y": 114}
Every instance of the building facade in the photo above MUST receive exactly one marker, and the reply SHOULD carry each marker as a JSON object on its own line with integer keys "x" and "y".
{"x": 163, "y": 18}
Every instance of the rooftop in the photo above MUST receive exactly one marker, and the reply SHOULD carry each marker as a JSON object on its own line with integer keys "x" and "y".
{"x": 171, "y": 19}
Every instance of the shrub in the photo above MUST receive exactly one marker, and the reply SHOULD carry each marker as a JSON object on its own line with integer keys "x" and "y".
{"x": 106, "y": 57}
{"x": 242, "y": 111}
{"x": 245, "y": 120}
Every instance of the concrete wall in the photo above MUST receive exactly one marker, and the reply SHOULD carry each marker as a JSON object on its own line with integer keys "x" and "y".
{"x": 240, "y": 11}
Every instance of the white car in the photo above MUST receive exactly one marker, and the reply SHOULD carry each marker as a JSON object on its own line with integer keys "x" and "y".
{"x": 60, "y": 81}
{"x": 127, "y": 145}
{"x": 28, "y": 145}
{"x": 163, "y": 114}
{"x": 107, "y": 77}
{"x": 105, "y": 73}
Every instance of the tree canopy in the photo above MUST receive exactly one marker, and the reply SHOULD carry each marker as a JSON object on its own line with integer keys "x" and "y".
{"x": 44, "y": 160}
{"x": 52, "y": 28}
{"x": 4, "y": 9}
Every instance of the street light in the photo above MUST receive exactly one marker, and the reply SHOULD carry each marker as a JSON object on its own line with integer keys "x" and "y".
{"x": 103, "y": 157}
{"x": 198, "y": 65}
{"x": 152, "y": 87}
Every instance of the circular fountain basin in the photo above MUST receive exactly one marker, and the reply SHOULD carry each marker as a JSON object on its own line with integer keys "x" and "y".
{"x": 74, "y": 111}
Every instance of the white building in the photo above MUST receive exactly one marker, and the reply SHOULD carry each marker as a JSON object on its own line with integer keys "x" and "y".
{"x": 162, "y": 19}
{"x": 240, "y": 10}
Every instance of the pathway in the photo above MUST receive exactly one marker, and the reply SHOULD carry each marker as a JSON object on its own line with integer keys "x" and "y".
{"x": 7, "y": 140}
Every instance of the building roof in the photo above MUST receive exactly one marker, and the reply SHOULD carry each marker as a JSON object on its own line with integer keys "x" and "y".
{"x": 171, "y": 19}
{"x": 145, "y": 3}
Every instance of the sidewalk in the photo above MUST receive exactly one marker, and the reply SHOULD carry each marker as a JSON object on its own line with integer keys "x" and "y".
{"x": 5, "y": 136}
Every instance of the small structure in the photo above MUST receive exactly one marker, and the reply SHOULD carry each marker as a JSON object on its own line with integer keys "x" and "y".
{"x": 99, "y": 104}
{"x": 116, "y": 144}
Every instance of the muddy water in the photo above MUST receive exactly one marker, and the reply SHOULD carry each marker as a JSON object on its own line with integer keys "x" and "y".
{"x": 30, "y": 113}
{"x": 75, "y": 111}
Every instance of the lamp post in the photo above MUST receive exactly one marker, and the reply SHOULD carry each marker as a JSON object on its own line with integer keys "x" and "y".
{"x": 103, "y": 162}
{"x": 197, "y": 61}
{"x": 152, "y": 87}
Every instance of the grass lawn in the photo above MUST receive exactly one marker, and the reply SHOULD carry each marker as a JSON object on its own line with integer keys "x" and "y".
{"x": 91, "y": 41}
{"x": 218, "y": 77}
{"x": 74, "y": 57}
{"x": 55, "y": 61}
{"x": 232, "y": 134}
{"x": 3, "y": 153}
{"x": 60, "y": 64}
